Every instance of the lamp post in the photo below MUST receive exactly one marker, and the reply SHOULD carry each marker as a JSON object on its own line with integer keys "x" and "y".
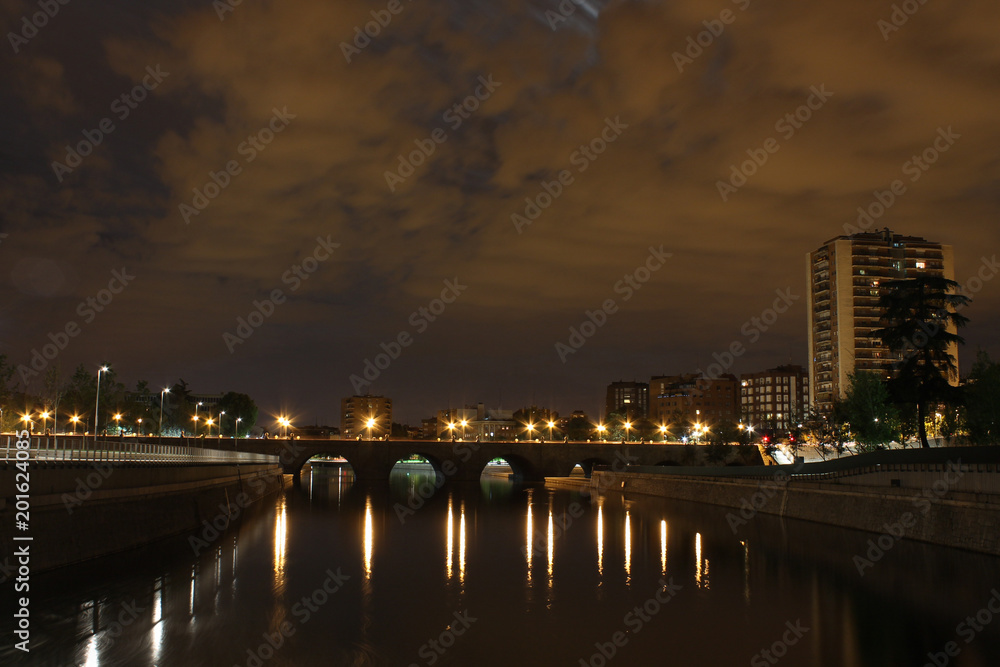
{"x": 551, "y": 425}
{"x": 44, "y": 416}
{"x": 27, "y": 421}
{"x": 76, "y": 420}
{"x": 464, "y": 424}
{"x": 663, "y": 432}
{"x": 118, "y": 422}
{"x": 628, "y": 425}
{"x": 236, "y": 428}
{"x": 370, "y": 423}
{"x": 451, "y": 429}
{"x": 531, "y": 428}
{"x": 220, "y": 422}
{"x": 97, "y": 401}
{"x": 601, "y": 430}
{"x": 166, "y": 390}
{"x": 140, "y": 427}
{"x": 196, "y": 418}
{"x": 208, "y": 424}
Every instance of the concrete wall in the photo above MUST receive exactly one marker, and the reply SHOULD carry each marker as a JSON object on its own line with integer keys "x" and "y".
{"x": 79, "y": 512}
{"x": 954, "y": 504}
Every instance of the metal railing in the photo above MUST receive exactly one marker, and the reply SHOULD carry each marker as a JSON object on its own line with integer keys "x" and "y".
{"x": 119, "y": 450}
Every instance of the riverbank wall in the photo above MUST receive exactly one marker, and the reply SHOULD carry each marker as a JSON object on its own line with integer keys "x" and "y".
{"x": 81, "y": 511}
{"x": 947, "y": 496}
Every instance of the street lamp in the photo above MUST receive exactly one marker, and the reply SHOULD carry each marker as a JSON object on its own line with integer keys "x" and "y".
{"x": 208, "y": 423}
{"x": 551, "y": 424}
{"x": 220, "y": 422}
{"x": 601, "y": 429}
{"x": 27, "y": 421}
{"x": 196, "y": 418}
{"x": 118, "y": 422}
{"x": 628, "y": 425}
{"x": 464, "y": 424}
{"x": 370, "y": 423}
{"x": 531, "y": 427}
{"x": 236, "y": 428}
{"x": 76, "y": 420}
{"x": 663, "y": 432}
{"x": 97, "y": 400}
{"x": 44, "y": 416}
{"x": 282, "y": 421}
{"x": 166, "y": 390}
{"x": 451, "y": 429}
{"x": 140, "y": 427}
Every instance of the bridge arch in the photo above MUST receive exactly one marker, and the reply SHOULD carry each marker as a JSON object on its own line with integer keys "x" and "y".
{"x": 521, "y": 467}
{"x": 435, "y": 461}
{"x": 588, "y": 465}
{"x": 332, "y": 453}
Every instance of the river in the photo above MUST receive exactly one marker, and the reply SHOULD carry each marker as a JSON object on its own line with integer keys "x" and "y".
{"x": 330, "y": 572}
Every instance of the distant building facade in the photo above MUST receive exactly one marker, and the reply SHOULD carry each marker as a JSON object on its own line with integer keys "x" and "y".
{"x": 693, "y": 397}
{"x": 627, "y": 398}
{"x": 355, "y": 411}
{"x": 845, "y": 278}
{"x": 775, "y": 400}
{"x": 480, "y": 422}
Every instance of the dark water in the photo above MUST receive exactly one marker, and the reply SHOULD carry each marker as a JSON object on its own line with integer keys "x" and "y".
{"x": 338, "y": 574}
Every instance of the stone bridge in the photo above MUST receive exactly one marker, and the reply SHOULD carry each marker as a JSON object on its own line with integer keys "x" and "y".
{"x": 464, "y": 461}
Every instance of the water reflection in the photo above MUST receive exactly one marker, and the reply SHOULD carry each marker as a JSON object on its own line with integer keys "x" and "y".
{"x": 628, "y": 549}
{"x": 663, "y": 546}
{"x": 284, "y": 550}
{"x": 700, "y": 565}
{"x": 600, "y": 541}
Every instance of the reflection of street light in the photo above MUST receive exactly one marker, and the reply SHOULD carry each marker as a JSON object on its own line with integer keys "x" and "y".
{"x": 166, "y": 390}
{"x": 97, "y": 401}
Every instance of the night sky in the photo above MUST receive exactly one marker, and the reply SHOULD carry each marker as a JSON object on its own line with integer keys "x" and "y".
{"x": 302, "y": 140}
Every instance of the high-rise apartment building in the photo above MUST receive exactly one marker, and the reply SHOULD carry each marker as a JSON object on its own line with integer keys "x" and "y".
{"x": 774, "y": 401}
{"x": 694, "y": 398}
{"x": 356, "y": 411}
{"x": 627, "y": 398}
{"x": 846, "y": 277}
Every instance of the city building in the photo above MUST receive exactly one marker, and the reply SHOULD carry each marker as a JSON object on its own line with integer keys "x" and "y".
{"x": 693, "y": 398}
{"x": 627, "y": 398}
{"x": 774, "y": 401}
{"x": 479, "y": 422}
{"x": 846, "y": 277}
{"x": 356, "y": 411}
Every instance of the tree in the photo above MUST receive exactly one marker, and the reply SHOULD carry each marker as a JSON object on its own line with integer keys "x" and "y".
{"x": 238, "y": 406}
{"x": 579, "y": 428}
{"x": 7, "y": 371}
{"x": 917, "y": 314}
{"x": 982, "y": 401}
{"x": 868, "y": 409}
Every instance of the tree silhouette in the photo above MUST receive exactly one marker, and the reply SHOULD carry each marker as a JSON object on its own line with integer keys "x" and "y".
{"x": 917, "y": 315}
